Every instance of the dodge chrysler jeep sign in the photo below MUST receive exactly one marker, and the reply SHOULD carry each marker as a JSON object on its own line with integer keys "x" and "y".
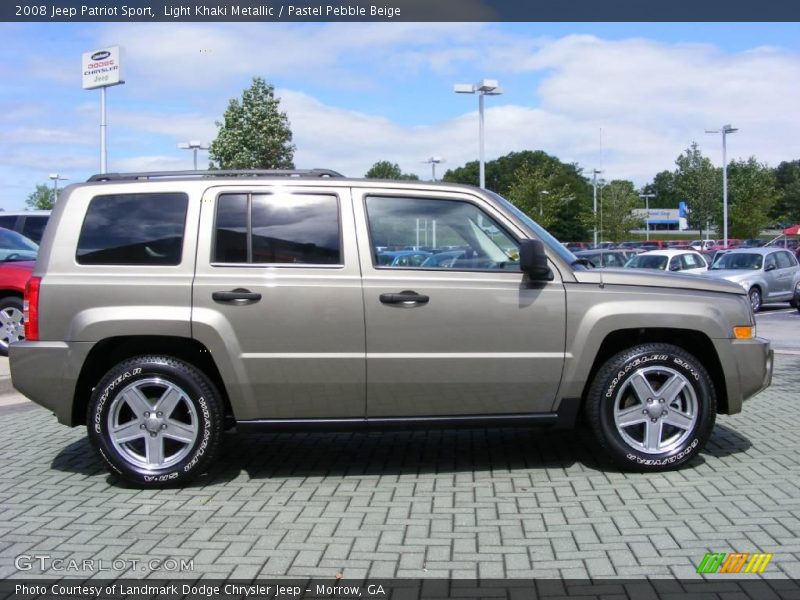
{"x": 102, "y": 68}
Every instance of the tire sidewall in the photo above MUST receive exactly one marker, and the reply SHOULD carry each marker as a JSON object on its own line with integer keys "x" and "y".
{"x": 15, "y": 302}
{"x": 622, "y": 368}
{"x": 199, "y": 393}
{"x": 755, "y": 290}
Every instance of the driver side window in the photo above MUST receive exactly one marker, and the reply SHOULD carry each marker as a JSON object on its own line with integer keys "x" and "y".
{"x": 429, "y": 233}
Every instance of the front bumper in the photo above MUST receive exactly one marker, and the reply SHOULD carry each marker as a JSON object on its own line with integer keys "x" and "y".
{"x": 747, "y": 365}
{"x": 47, "y": 373}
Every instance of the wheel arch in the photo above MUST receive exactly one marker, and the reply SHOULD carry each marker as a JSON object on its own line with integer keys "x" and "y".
{"x": 694, "y": 342}
{"x": 111, "y": 351}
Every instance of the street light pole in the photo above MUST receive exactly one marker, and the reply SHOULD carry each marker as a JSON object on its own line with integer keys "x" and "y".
{"x": 194, "y": 146}
{"x": 433, "y": 161}
{"x": 56, "y": 178}
{"x": 485, "y": 87}
{"x": 726, "y": 129}
{"x": 646, "y": 198}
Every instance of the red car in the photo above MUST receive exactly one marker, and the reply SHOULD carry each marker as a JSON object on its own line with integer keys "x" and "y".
{"x": 17, "y": 259}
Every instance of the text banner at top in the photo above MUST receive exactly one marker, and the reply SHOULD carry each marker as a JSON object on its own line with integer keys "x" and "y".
{"x": 402, "y": 10}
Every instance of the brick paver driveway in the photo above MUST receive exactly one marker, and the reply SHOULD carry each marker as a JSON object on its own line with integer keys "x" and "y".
{"x": 496, "y": 503}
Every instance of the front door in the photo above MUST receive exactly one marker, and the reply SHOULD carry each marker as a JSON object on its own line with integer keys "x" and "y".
{"x": 277, "y": 299}
{"x": 463, "y": 332}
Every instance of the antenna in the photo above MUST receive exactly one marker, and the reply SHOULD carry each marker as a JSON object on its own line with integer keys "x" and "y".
{"x": 602, "y": 285}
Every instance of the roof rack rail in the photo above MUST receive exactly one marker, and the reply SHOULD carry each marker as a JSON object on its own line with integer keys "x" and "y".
{"x": 215, "y": 173}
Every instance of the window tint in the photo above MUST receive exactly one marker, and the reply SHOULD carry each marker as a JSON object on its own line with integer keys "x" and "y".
{"x": 133, "y": 229}
{"x": 33, "y": 228}
{"x": 8, "y": 222}
{"x": 437, "y": 234}
{"x": 786, "y": 260}
{"x": 277, "y": 229}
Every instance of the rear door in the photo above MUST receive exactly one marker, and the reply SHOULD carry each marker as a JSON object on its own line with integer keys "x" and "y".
{"x": 469, "y": 336}
{"x": 277, "y": 293}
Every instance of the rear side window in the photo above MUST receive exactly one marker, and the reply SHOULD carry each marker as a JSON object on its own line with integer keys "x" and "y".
{"x": 33, "y": 228}
{"x": 133, "y": 229}
{"x": 8, "y": 222}
{"x": 786, "y": 260}
{"x": 277, "y": 229}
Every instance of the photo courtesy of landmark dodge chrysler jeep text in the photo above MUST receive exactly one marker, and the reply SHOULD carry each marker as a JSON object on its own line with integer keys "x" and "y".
{"x": 165, "y": 308}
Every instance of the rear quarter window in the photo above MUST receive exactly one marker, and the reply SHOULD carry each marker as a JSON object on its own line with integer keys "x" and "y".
{"x": 133, "y": 229}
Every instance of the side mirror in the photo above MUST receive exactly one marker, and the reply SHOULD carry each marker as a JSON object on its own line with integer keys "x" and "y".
{"x": 533, "y": 260}
{"x": 771, "y": 267}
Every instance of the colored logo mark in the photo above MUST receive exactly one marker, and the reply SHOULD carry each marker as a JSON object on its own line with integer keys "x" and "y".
{"x": 742, "y": 562}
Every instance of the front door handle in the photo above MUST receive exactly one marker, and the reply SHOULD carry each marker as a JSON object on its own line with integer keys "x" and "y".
{"x": 239, "y": 296}
{"x": 406, "y": 296}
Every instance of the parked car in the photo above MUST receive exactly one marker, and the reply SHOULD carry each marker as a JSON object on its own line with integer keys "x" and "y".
{"x": 684, "y": 261}
{"x": 17, "y": 259}
{"x": 603, "y": 258}
{"x": 403, "y": 258}
{"x": 752, "y": 243}
{"x": 767, "y": 274}
{"x": 701, "y": 245}
{"x": 165, "y": 309}
{"x": 576, "y": 245}
{"x": 30, "y": 223}
{"x": 443, "y": 259}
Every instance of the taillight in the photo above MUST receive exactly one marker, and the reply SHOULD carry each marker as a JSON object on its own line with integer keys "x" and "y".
{"x": 30, "y": 308}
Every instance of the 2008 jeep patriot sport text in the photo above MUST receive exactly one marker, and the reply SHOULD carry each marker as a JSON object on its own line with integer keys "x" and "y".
{"x": 166, "y": 307}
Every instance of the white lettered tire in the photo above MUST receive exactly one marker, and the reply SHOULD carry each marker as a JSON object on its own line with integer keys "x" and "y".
{"x": 155, "y": 421}
{"x": 652, "y": 407}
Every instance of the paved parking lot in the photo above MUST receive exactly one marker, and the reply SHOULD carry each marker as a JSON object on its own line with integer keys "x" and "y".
{"x": 496, "y": 503}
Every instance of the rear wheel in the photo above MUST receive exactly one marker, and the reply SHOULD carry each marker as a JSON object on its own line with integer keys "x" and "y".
{"x": 155, "y": 421}
{"x": 652, "y": 407}
{"x": 12, "y": 327}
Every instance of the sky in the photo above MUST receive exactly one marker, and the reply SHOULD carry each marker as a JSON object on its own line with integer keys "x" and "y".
{"x": 624, "y": 98}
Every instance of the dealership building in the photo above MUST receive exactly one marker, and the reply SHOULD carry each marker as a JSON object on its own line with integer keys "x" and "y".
{"x": 663, "y": 219}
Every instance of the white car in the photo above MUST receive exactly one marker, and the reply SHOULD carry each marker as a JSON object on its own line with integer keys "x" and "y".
{"x": 702, "y": 245}
{"x": 676, "y": 261}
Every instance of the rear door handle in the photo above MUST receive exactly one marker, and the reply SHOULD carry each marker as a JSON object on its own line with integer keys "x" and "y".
{"x": 403, "y": 297}
{"x": 239, "y": 295}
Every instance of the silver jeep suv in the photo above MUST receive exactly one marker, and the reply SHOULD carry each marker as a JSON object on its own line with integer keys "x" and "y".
{"x": 166, "y": 308}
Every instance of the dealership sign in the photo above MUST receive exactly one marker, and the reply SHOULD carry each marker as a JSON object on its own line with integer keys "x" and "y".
{"x": 102, "y": 68}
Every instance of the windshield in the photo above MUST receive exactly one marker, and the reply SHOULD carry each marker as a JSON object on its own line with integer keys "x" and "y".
{"x": 16, "y": 247}
{"x": 738, "y": 262}
{"x": 540, "y": 232}
{"x": 647, "y": 261}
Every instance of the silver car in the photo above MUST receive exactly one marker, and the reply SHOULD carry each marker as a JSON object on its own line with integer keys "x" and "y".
{"x": 768, "y": 274}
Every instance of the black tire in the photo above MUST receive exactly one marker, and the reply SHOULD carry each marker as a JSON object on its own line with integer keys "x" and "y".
{"x": 10, "y": 332}
{"x": 196, "y": 416}
{"x": 756, "y": 299}
{"x": 612, "y": 392}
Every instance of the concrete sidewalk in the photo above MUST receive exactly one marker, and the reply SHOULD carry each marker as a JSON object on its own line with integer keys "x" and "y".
{"x": 8, "y": 395}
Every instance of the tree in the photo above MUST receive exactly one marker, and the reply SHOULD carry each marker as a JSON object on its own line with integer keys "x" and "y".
{"x": 617, "y": 201}
{"x": 383, "y": 169}
{"x": 42, "y": 198}
{"x": 751, "y": 196}
{"x": 254, "y": 133}
{"x": 786, "y": 209}
{"x": 698, "y": 183}
{"x": 663, "y": 186}
{"x": 572, "y": 213}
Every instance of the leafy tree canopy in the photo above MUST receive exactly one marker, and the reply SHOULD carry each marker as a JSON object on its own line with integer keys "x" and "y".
{"x": 41, "y": 198}
{"x": 383, "y": 169}
{"x": 254, "y": 133}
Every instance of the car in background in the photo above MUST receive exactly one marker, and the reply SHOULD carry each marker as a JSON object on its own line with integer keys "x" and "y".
{"x": 603, "y": 258}
{"x": 402, "y": 258}
{"x": 17, "y": 259}
{"x": 443, "y": 260}
{"x": 753, "y": 243}
{"x": 768, "y": 274}
{"x": 702, "y": 245}
{"x": 30, "y": 223}
{"x": 675, "y": 261}
{"x": 573, "y": 246}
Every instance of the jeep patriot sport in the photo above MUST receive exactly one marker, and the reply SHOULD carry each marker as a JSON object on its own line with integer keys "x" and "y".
{"x": 167, "y": 307}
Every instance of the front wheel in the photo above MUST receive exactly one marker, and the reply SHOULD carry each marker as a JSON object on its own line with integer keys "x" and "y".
{"x": 652, "y": 407}
{"x": 755, "y": 299}
{"x": 155, "y": 421}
